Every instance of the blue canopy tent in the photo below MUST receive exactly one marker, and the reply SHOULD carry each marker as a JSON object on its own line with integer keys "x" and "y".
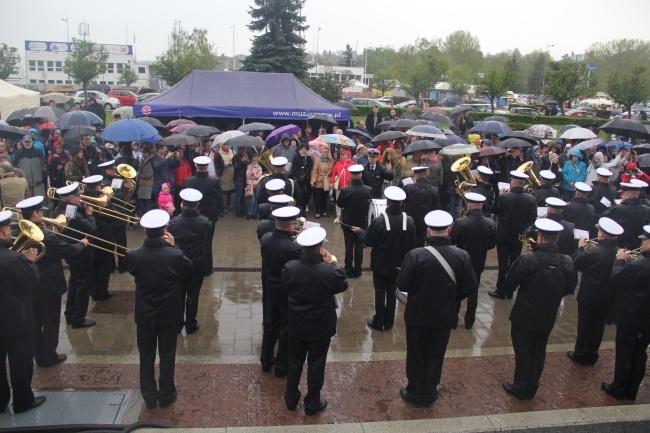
{"x": 247, "y": 95}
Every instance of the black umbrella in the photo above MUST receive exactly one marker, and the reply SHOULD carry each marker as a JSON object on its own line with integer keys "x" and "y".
{"x": 78, "y": 118}
{"x": 16, "y": 117}
{"x": 385, "y": 125}
{"x": 347, "y": 105}
{"x": 551, "y": 102}
{"x": 389, "y": 135}
{"x": 565, "y": 128}
{"x": 522, "y": 135}
{"x": 645, "y": 163}
{"x": 490, "y": 127}
{"x": 178, "y": 139}
{"x": 405, "y": 124}
{"x": 364, "y": 135}
{"x": 256, "y": 126}
{"x": 12, "y": 132}
{"x": 72, "y": 135}
{"x": 44, "y": 114}
{"x": 627, "y": 128}
{"x": 513, "y": 142}
{"x": 460, "y": 109}
{"x": 327, "y": 118}
{"x": 200, "y": 130}
{"x": 421, "y": 145}
{"x": 437, "y": 117}
{"x": 245, "y": 141}
{"x": 152, "y": 121}
{"x": 450, "y": 140}
{"x": 497, "y": 119}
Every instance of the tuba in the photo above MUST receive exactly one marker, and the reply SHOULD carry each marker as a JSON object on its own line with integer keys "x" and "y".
{"x": 461, "y": 167}
{"x": 128, "y": 172}
{"x": 532, "y": 183}
{"x": 30, "y": 237}
{"x": 265, "y": 161}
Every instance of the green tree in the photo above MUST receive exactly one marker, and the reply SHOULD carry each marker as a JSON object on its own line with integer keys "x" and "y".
{"x": 628, "y": 87}
{"x": 460, "y": 48}
{"x": 383, "y": 81}
{"x": 86, "y": 62}
{"x": 515, "y": 64}
{"x": 460, "y": 77}
{"x": 567, "y": 80}
{"x": 346, "y": 60}
{"x": 187, "y": 52}
{"x": 536, "y": 75}
{"x": 379, "y": 58}
{"x": 615, "y": 55}
{"x": 9, "y": 59}
{"x": 128, "y": 77}
{"x": 280, "y": 48}
{"x": 328, "y": 85}
{"x": 420, "y": 68}
{"x": 495, "y": 83}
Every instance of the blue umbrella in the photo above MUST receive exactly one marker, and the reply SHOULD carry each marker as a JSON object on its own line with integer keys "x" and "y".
{"x": 78, "y": 118}
{"x": 619, "y": 144}
{"x": 365, "y": 135}
{"x": 128, "y": 130}
{"x": 490, "y": 127}
{"x": 277, "y": 134}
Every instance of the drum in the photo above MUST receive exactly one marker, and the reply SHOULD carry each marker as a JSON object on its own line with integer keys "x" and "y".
{"x": 401, "y": 296}
{"x": 377, "y": 206}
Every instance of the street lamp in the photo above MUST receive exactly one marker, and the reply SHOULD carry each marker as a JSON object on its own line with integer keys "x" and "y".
{"x": 67, "y": 29}
{"x": 544, "y": 70}
{"x": 317, "y": 40}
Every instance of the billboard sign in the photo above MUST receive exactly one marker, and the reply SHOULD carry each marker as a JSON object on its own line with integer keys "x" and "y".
{"x": 65, "y": 47}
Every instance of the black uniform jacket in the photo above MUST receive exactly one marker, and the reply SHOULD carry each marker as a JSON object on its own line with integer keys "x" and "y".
{"x": 277, "y": 250}
{"x": 158, "y": 269}
{"x": 265, "y": 226}
{"x": 354, "y": 199}
{"x": 581, "y": 213}
{"x": 432, "y": 293}
{"x": 632, "y": 311}
{"x": 418, "y": 205}
{"x": 475, "y": 234}
{"x": 389, "y": 247}
{"x": 210, "y": 188}
{"x": 596, "y": 267}
{"x": 486, "y": 189}
{"x": 117, "y": 193}
{"x": 311, "y": 285}
{"x": 543, "y": 277}
{"x": 544, "y": 192}
{"x": 264, "y": 211}
{"x": 598, "y": 191}
{"x": 566, "y": 243}
{"x": 515, "y": 211}
{"x": 290, "y": 188}
{"x": 375, "y": 178}
{"x": 52, "y": 280}
{"x": 632, "y": 216}
{"x": 190, "y": 229}
{"x": 18, "y": 283}
{"x": 82, "y": 223}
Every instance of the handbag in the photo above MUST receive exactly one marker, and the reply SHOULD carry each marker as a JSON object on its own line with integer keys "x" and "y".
{"x": 326, "y": 179}
{"x": 248, "y": 192}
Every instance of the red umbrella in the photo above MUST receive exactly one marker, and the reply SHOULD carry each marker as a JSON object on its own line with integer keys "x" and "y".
{"x": 180, "y": 128}
{"x": 177, "y": 122}
{"x": 490, "y": 151}
{"x": 48, "y": 125}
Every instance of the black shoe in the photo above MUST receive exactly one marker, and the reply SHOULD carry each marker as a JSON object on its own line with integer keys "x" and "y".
{"x": 59, "y": 359}
{"x": 321, "y": 406}
{"x": 192, "y": 329}
{"x": 85, "y": 324}
{"x": 68, "y": 321}
{"x": 408, "y": 398}
{"x": 469, "y": 324}
{"x": 291, "y": 407}
{"x": 36, "y": 403}
{"x": 614, "y": 392}
{"x": 107, "y": 295}
{"x": 280, "y": 372}
{"x": 349, "y": 274}
{"x": 151, "y": 405}
{"x": 357, "y": 275}
{"x": 168, "y": 402}
{"x": 510, "y": 390}
{"x": 248, "y": 217}
{"x": 575, "y": 358}
{"x": 388, "y": 328}
{"x": 497, "y": 295}
{"x": 4, "y": 408}
{"x": 371, "y": 325}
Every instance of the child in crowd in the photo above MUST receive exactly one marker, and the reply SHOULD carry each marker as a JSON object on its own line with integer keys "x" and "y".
{"x": 165, "y": 199}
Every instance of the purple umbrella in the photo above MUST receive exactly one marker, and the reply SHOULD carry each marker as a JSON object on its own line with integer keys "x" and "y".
{"x": 277, "y": 134}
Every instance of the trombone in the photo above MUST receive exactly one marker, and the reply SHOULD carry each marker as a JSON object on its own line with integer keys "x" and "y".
{"x": 30, "y": 237}
{"x": 98, "y": 205}
{"x": 118, "y": 202}
{"x": 61, "y": 223}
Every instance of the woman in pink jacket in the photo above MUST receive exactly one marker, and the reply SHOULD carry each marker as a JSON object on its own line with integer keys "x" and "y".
{"x": 340, "y": 178}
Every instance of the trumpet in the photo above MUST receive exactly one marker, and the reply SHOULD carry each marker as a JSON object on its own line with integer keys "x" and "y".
{"x": 591, "y": 243}
{"x": 528, "y": 243}
{"x": 30, "y": 237}
{"x": 61, "y": 222}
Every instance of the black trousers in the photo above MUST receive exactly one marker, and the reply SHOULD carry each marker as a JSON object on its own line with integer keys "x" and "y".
{"x": 506, "y": 254}
{"x": 305, "y": 190}
{"x": 208, "y": 251}
{"x": 530, "y": 355}
{"x": 76, "y": 305}
{"x": 425, "y": 353}
{"x": 353, "y": 252}
{"x": 101, "y": 274}
{"x": 591, "y": 326}
{"x": 320, "y": 200}
{"x": 119, "y": 234}
{"x": 385, "y": 301}
{"x": 47, "y": 316}
{"x": 315, "y": 352}
{"x": 631, "y": 359}
{"x": 190, "y": 289}
{"x": 276, "y": 329}
{"x": 164, "y": 341}
{"x": 472, "y": 303}
{"x": 20, "y": 350}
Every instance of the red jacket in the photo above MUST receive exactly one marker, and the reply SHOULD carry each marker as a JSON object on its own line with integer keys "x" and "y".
{"x": 340, "y": 170}
{"x": 183, "y": 171}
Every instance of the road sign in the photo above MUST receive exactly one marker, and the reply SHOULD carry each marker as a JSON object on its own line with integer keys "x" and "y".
{"x": 591, "y": 66}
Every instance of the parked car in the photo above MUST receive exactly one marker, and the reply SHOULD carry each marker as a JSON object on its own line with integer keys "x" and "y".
{"x": 452, "y": 101}
{"x": 126, "y": 97}
{"x": 580, "y": 114}
{"x": 367, "y": 102}
{"x": 524, "y": 110}
{"x": 61, "y": 89}
{"x": 104, "y": 88}
{"x": 108, "y": 102}
{"x": 385, "y": 99}
{"x": 485, "y": 108}
{"x": 407, "y": 104}
{"x": 146, "y": 96}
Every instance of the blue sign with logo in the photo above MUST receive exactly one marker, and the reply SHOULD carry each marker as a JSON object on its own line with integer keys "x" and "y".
{"x": 65, "y": 47}
{"x": 591, "y": 66}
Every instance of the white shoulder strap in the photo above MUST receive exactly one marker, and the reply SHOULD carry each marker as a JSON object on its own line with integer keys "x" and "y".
{"x": 443, "y": 262}
{"x": 404, "y": 218}
{"x": 386, "y": 220}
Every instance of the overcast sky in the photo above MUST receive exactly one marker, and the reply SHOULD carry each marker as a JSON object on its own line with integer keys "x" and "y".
{"x": 568, "y": 25}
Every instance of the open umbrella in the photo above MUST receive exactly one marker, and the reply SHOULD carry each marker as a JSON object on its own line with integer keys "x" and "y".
{"x": 43, "y": 114}
{"x": 387, "y": 136}
{"x": 425, "y": 131}
{"x": 432, "y": 115}
{"x": 644, "y": 163}
{"x": 497, "y": 119}
{"x": 198, "y": 130}
{"x": 338, "y": 139}
{"x": 48, "y": 125}
{"x": 589, "y": 143}
{"x": 256, "y": 126}
{"x": 58, "y": 98}
{"x": 459, "y": 149}
{"x": 542, "y": 131}
{"x": 73, "y": 134}
{"x": 450, "y": 140}
{"x": 642, "y": 150}
{"x": 244, "y": 141}
{"x": 222, "y": 138}
{"x": 404, "y": 124}
{"x": 619, "y": 145}
{"x": 177, "y": 122}
{"x": 15, "y": 118}
{"x": 128, "y": 130}
{"x": 624, "y": 127}
{"x": 276, "y": 134}
{"x": 490, "y": 151}
{"x": 11, "y": 132}
{"x": 152, "y": 121}
{"x": 421, "y": 145}
{"x": 386, "y": 125}
{"x": 460, "y": 109}
{"x": 490, "y": 127}
{"x": 178, "y": 139}
{"x": 351, "y": 132}
{"x": 513, "y": 142}
{"x": 440, "y": 110}
{"x": 551, "y": 102}
{"x": 565, "y": 128}
{"x": 347, "y": 105}
{"x": 78, "y": 118}
{"x": 126, "y": 112}
{"x": 180, "y": 128}
{"x": 322, "y": 118}
{"x": 578, "y": 134}
{"x": 522, "y": 135}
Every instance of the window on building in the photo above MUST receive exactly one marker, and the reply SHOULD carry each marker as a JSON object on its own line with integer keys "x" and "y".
{"x": 110, "y": 68}
{"x": 32, "y": 81}
{"x": 59, "y": 81}
{"x": 41, "y": 81}
{"x": 110, "y": 83}
{"x": 32, "y": 65}
{"x": 50, "y": 66}
{"x": 41, "y": 65}
{"x": 50, "y": 81}
{"x": 142, "y": 70}
{"x": 102, "y": 82}
{"x": 58, "y": 66}
{"x": 120, "y": 68}
{"x": 68, "y": 81}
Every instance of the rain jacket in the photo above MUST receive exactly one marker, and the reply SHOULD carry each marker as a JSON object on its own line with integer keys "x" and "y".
{"x": 37, "y": 144}
{"x": 573, "y": 171}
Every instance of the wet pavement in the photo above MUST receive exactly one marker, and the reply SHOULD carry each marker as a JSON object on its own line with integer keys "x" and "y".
{"x": 220, "y": 382}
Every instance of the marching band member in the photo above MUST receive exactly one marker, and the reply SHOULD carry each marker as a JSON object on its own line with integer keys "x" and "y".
{"x": 273, "y": 187}
{"x": 374, "y": 173}
{"x": 421, "y": 198}
{"x": 580, "y": 211}
{"x": 546, "y": 188}
{"x": 107, "y": 170}
{"x": 279, "y": 164}
{"x": 485, "y": 188}
{"x": 601, "y": 189}
{"x": 268, "y": 225}
{"x": 630, "y": 214}
{"x": 566, "y": 242}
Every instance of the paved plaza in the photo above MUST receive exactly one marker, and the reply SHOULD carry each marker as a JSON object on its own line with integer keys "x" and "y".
{"x": 221, "y": 385}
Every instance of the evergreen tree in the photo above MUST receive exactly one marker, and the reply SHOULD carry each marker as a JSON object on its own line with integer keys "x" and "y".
{"x": 281, "y": 47}
{"x": 536, "y": 76}
{"x": 346, "y": 59}
{"x": 9, "y": 60}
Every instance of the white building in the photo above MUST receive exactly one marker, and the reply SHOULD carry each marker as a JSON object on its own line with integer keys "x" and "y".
{"x": 44, "y": 62}
{"x": 341, "y": 72}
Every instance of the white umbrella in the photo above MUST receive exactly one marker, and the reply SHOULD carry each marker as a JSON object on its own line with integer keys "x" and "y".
{"x": 222, "y": 138}
{"x": 125, "y": 112}
{"x": 459, "y": 149}
{"x": 58, "y": 98}
{"x": 578, "y": 134}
